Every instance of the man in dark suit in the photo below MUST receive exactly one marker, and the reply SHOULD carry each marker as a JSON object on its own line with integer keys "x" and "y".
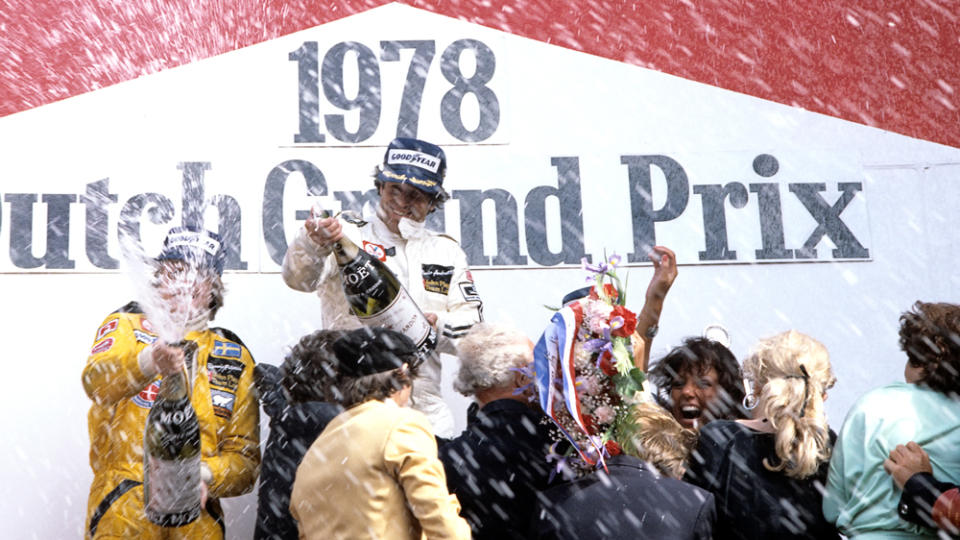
{"x": 496, "y": 466}
{"x": 637, "y": 496}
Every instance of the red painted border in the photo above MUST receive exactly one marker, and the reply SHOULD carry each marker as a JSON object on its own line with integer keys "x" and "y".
{"x": 896, "y": 68}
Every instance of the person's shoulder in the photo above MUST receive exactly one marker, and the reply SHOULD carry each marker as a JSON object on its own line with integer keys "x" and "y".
{"x": 723, "y": 429}
{"x": 884, "y": 397}
{"x": 441, "y": 238}
{"x": 129, "y": 311}
{"x": 409, "y": 415}
{"x": 130, "y": 308}
{"x": 686, "y": 490}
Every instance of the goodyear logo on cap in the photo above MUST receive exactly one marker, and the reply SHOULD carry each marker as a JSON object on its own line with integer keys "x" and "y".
{"x": 193, "y": 240}
{"x": 413, "y": 158}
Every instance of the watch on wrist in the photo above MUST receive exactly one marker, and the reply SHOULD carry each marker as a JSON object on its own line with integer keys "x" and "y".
{"x": 652, "y": 331}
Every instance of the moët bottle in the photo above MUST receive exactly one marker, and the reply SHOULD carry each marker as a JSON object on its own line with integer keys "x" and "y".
{"x": 171, "y": 451}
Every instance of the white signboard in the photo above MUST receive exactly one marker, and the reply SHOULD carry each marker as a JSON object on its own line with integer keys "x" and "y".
{"x": 554, "y": 156}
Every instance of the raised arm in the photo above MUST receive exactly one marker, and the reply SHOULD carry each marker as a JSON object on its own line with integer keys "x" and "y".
{"x": 664, "y": 273}
{"x": 303, "y": 264}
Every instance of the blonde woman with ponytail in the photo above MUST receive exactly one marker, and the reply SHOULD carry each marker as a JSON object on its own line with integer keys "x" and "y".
{"x": 767, "y": 472}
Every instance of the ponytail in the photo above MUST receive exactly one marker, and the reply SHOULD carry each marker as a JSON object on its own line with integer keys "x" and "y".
{"x": 794, "y": 372}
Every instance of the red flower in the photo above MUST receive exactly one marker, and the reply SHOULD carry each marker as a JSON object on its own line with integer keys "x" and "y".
{"x": 606, "y": 364}
{"x": 590, "y": 423}
{"x": 613, "y": 448}
{"x": 611, "y": 291}
{"x": 629, "y": 321}
{"x": 608, "y": 289}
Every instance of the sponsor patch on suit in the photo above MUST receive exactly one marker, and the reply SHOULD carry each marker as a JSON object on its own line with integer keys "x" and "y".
{"x": 147, "y": 396}
{"x": 102, "y": 346}
{"x": 107, "y": 328}
{"x": 222, "y": 402}
{"x": 469, "y": 291}
{"x": 224, "y": 373}
{"x": 437, "y": 278}
{"x": 225, "y": 349}
{"x": 376, "y": 250}
{"x": 144, "y": 337}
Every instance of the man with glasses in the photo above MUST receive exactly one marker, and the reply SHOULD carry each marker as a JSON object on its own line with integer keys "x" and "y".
{"x": 430, "y": 265}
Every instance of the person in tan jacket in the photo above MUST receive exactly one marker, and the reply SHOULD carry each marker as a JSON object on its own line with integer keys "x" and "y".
{"x": 374, "y": 472}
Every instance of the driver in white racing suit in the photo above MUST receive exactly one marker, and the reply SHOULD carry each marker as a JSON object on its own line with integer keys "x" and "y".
{"x": 431, "y": 266}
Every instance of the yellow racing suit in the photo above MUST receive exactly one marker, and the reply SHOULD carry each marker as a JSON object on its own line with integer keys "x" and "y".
{"x": 225, "y": 401}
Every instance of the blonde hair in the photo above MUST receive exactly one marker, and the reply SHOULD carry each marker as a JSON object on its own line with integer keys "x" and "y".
{"x": 654, "y": 435}
{"x": 793, "y": 372}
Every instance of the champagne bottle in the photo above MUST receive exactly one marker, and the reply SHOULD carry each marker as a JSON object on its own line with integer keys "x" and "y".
{"x": 171, "y": 451}
{"x": 378, "y": 298}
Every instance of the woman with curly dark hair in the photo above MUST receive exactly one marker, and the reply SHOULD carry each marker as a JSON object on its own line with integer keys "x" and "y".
{"x": 861, "y": 499}
{"x": 698, "y": 382}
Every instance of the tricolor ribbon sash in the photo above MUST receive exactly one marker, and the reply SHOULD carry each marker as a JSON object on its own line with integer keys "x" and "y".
{"x": 553, "y": 362}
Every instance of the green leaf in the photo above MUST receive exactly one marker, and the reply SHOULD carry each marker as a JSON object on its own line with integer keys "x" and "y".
{"x": 626, "y": 385}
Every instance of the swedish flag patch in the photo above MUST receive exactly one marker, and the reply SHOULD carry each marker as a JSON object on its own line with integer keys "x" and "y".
{"x": 225, "y": 349}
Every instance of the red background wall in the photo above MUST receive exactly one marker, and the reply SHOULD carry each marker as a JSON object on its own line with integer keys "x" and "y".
{"x": 895, "y": 67}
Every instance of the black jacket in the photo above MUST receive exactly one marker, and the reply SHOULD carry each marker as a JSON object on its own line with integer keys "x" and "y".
{"x": 629, "y": 500}
{"x": 496, "y": 466}
{"x": 755, "y": 503}
{"x": 293, "y": 428}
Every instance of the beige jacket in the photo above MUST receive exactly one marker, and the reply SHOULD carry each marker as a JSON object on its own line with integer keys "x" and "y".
{"x": 374, "y": 473}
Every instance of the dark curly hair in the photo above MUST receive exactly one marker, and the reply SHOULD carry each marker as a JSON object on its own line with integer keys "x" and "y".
{"x": 696, "y": 356}
{"x": 309, "y": 371}
{"x": 930, "y": 335}
{"x": 379, "y": 386}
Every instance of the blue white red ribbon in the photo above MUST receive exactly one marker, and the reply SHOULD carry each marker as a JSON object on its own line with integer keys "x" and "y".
{"x": 553, "y": 362}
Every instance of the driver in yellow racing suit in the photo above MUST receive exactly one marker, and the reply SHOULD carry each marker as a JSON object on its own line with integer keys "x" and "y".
{"x": 122, "y": 376}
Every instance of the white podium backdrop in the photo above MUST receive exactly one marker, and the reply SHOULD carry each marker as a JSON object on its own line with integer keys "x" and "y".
{"x": 780, "y": 218}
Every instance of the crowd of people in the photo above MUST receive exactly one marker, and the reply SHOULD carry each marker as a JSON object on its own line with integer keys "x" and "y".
{"x": 575, "y": 436}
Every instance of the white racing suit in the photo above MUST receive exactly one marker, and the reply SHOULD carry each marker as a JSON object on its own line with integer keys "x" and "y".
{"x": 430, "y": 265}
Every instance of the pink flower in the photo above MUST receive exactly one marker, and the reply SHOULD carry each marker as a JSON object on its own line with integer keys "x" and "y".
{"x": 597, "y": 315}
{"x": 604, "y": 414}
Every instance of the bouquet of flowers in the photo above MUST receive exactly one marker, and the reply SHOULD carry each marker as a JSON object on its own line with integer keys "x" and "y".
{"x": 585, "y": 372}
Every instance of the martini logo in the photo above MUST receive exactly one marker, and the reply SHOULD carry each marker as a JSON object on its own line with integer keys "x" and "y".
{"x": 148, "y": 395}
{"x": 375, "y": 249}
